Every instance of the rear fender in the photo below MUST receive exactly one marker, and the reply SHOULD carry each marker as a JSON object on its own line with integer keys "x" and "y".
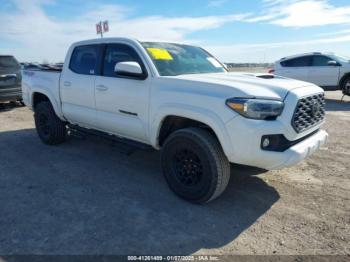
{"x": 54, "y": 102}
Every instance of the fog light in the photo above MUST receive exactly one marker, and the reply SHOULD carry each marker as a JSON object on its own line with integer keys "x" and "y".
{"x": 266, "y": 142}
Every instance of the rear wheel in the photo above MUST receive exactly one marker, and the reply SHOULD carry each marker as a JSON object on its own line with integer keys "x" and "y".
{"x": 194, "y": 165}
{"x": 50, "y": 128}
{"x": 346, "y": 86}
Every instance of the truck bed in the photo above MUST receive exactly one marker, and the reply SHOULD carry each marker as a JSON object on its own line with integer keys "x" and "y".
{"x": 47, "y": 80}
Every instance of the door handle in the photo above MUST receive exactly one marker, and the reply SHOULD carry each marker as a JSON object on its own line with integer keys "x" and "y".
{"x": 67, "y": 83}
{"x": 102, "y": 88}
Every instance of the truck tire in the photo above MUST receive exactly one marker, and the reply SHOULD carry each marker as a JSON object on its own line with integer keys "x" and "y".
{"x": 50, "y": 128}
{"x": 194, "y": 165}
{"x": 346, "y": 86}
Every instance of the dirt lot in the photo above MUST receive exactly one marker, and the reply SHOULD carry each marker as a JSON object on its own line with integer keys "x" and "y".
{"x": 89, "y": 197}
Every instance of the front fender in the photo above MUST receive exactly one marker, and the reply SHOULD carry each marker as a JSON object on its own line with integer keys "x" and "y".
{"x": 203, "y": 115}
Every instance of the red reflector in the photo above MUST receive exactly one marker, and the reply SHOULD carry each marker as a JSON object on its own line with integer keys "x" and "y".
{"x": 271, "y": 71}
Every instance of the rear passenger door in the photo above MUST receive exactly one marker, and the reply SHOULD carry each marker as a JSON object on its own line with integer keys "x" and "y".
{"x": 296, "y": 68}
{"x": 321, "y": 73}
{"x": 77, "y": 86}
{"x": 122, "y": 102}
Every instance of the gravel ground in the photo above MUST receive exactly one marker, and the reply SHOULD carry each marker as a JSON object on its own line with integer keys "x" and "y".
{"x": 90, "y": 197}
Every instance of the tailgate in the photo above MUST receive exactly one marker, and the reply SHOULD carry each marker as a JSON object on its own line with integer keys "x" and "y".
{"x": 10, "y": 81}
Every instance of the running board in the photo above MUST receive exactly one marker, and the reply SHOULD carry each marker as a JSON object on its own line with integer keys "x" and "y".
{"x": 131, "y": 145}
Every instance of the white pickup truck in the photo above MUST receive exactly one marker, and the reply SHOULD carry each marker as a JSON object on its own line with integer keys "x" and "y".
{"x": 181, "y": 100}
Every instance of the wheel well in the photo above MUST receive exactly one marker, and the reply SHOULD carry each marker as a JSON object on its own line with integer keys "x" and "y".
{"x": 38, "y": 97}
{"x": 343, "y": 79}
{"x": 173, "y": 123}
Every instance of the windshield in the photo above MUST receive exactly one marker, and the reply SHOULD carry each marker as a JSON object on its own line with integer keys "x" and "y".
{"x": 342, "y": 59}
{"x": 8, "y": 61}
{"x": 175, "y": 59}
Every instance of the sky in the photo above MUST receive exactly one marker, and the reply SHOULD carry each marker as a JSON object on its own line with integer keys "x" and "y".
{"x": 232, "y": 30}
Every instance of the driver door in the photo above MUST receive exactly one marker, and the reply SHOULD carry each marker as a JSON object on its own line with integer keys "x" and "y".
{"x": 122, "y": 102}
{"x": 322, "y": 74}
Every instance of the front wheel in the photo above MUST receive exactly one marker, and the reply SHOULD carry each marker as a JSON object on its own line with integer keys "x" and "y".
{"x": 194, "y": 165}
{"x": 50, "y": 128}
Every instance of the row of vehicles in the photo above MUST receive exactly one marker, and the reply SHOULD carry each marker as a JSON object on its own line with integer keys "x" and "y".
{"x": 328, "y": 71}
{"x": 37, "y": 66}
{"x": 11, "y": 76}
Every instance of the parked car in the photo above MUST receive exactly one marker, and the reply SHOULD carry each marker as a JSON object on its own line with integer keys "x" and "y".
{"x": 33, "y": 66}
{"x": 10, "y": 79}
{"x": 59, "y": 65}
{"x": 37, "y": 66}
{"x": 326, "y": 70}
{"x": 181, "y": 100}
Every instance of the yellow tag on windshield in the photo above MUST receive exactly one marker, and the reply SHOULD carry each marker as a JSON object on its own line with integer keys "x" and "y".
{"x": 160, "y": 54}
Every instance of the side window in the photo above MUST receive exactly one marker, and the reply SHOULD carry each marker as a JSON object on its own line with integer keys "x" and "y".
{"x": 84, "y": 60}
{"x": 320, "y": 60}
{"x": 119, "y": 53}
{"x": 297, "y": 62}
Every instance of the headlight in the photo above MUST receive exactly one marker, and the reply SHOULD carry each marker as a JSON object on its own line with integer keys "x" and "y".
{"x": 256, "y": 108}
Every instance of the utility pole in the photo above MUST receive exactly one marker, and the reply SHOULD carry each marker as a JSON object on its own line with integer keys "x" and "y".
{"x": 99, "y": 29}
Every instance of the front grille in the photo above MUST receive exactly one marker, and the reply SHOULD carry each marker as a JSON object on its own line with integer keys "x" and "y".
{"x": 309, "y": 112}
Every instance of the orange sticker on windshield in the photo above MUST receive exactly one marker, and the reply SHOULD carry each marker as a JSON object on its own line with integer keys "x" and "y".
{"x": 159, "y": 54}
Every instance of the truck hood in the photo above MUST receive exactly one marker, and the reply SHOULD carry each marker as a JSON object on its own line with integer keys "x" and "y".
{"x": 249, "y": 84}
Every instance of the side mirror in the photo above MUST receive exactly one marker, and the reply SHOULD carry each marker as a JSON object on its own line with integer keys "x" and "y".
{"x": 333, "y": 63}
{"x": 129, "y": 69}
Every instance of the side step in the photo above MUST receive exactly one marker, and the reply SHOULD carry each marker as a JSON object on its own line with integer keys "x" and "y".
{"x": 126, "y": 146}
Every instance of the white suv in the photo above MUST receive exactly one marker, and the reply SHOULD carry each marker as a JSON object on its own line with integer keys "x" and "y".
{"x": 326, "y": 70}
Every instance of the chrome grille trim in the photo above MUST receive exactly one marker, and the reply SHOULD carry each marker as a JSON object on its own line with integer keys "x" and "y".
{"x": 309, "y": 112}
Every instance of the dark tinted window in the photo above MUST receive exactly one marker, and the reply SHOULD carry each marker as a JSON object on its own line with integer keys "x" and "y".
{"x": 296, "y": 62}
{"x": 84, "y": 60}
{"x": 119, "y": 53}
{"x": 8, "y": 62}
{"x": 320, "y": 60}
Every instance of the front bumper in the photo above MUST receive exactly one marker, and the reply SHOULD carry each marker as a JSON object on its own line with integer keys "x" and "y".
{"x": 10, "y": 93}
{"x": 13, "y": 96}
{"x": 245, "y": 136}
{"x": 247, "y": 150}
{"x": 301, "y": 150}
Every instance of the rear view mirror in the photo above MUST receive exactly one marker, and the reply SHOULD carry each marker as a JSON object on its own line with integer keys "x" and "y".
{"x": 129, "y": 69}
{"x": 333, "y": 63}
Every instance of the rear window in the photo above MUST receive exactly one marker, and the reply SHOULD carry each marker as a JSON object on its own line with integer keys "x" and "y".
{"x": 8, "y": 62}
{"x": 84, "y": 60}
{"x": 297, "y": 62}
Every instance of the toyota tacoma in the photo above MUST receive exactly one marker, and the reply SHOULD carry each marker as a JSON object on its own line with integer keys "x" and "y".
{"x": 181, "y": 100}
